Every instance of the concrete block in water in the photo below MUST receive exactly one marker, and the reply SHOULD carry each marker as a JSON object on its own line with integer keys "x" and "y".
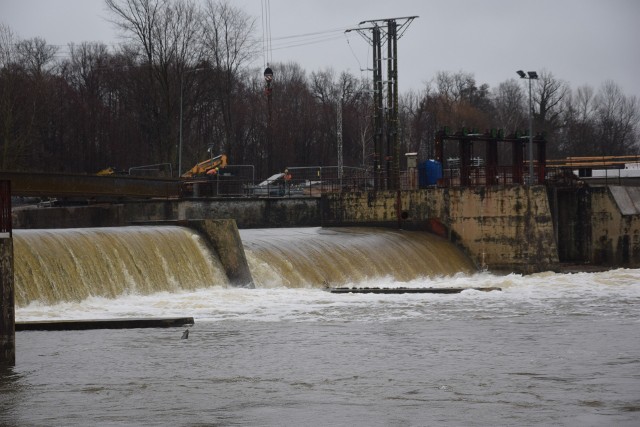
{"x": 224, "y": 238}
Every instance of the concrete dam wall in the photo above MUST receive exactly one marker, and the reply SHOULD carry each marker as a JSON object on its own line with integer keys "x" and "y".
{"x": 501, "y": 229}
{"x": 514, "y": 228}
{"x": 247, "y": 213}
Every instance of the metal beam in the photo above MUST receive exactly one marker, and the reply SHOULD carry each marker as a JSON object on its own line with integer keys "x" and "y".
{"x": 67, "y": 185}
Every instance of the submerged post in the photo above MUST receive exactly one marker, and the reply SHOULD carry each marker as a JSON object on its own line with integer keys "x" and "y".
{"x": 7, "y": 308}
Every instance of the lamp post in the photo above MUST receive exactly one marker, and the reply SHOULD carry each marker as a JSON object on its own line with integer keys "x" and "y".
{"x": 181, "y": 93}
{"x": 268, "y": 80}
{"x": 530, "y": 75}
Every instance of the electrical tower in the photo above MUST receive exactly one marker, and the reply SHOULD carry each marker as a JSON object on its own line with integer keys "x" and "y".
{"x": 385, "y": 121}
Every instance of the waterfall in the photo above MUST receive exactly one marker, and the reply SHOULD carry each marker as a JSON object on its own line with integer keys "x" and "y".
{"x": 73, "y": 264}
{"x": 67, "y": 265}
{"x": 316, "y": 257}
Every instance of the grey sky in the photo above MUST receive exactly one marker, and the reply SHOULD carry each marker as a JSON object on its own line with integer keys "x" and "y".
{"x": 579, "y": 41}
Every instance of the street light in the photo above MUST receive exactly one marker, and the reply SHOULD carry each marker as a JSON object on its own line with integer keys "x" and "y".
{"x": 531, "y": 75}
{"x": 181, "y": 92}
{"x": 268, "y": 79}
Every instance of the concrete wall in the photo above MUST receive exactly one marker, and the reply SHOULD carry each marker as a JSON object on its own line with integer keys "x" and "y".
{"x": 252, "y": 213}
{"x": 7, "y": 308}
{"x": 248, "y": 213}
{"x": 506, "y": 228}
{"x": 615, "y": 226}
{"x": 500, "y": 228}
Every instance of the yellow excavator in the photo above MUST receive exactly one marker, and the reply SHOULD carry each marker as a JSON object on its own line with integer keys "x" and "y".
{"x": 208, "y": 167}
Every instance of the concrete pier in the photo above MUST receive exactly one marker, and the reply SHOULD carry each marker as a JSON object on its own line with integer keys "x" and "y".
{"x": 7, "y": 290}
{"x": 224, "y": 237}
{"x": 7, "y": 309}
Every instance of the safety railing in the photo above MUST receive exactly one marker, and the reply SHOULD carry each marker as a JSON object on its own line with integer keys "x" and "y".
{"x": 310, "y": 181}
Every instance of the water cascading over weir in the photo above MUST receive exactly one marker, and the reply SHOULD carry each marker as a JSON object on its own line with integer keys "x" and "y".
{"x": 54, "y": 266}
{"x": 317, "y": 257}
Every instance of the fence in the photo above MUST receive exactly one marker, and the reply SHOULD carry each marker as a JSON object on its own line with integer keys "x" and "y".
{"x": 315, "y": 181}
{"x": 5, "y": 209}
{"x": 312, "y": 181}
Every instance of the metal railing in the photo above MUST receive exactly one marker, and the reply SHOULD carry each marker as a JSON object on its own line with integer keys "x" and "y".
{"x": 5, "y": 209}
{"x": 315, "y": 181}
{"x": 310, "y": 181}
{"x": 157, "y": 170}
{"x": 482, "y": 177}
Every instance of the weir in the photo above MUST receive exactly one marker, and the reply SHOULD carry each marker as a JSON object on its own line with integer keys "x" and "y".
{"x": 69, "y": 265}
{"x": 53, "y": 266}
{"x": 320, "y": 257}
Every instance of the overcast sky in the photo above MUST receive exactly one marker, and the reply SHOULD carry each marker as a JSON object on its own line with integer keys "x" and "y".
{"x": 579, "y": 41}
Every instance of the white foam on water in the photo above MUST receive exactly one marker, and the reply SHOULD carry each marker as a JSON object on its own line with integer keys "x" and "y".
{"x": 574, "y": 294}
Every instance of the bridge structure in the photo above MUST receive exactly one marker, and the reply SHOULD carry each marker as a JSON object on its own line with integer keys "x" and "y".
{"x": 70, "y": 186}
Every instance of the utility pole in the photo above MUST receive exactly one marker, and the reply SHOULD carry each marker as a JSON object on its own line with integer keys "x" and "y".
{"x": 339, "y": 140}
{"x": 378, "y": 118}
{"x": 391, "y": 154}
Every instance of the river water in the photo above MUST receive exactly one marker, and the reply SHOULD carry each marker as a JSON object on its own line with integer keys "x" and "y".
{"x": 549, "y": 349}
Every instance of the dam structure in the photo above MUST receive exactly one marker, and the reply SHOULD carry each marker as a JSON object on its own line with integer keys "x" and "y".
{"x": 68, "y": 254}
{"x": 511, "y": 228}
{"x": 62, "y": 266}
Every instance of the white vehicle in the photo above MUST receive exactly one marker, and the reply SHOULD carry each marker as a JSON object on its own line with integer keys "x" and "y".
{"x": 275, "y": 186}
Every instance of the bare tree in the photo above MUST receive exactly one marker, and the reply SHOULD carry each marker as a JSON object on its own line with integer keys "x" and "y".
{"x": 165, "y": 33}
{"x": 548, "y": 95}
{"x": 229, "y": 45}
{"x": 584, "y": 103}
{"x": 12, "y": 145}
{"x": 36, "y": 56}
{"x": 509, "y": 101}
{"x": 577, "y": 136}
{"x": 86, "y": 113}
{"x": 138, "y": 20}
{"x": 413, "y": 123}
{"x": 617, "y": 118}
{"x": 7, "y": 46}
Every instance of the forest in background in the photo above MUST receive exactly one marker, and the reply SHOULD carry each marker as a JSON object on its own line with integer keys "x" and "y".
{"x": 121, "y": 107}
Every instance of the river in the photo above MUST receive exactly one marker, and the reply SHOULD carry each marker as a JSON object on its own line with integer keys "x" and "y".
{"x": 548, "y": 349}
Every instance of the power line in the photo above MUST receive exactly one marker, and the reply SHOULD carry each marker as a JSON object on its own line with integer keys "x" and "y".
{"x": 307, "y": 42}
{"x": 266, "y": 32}
{"x": 335, "y": 30}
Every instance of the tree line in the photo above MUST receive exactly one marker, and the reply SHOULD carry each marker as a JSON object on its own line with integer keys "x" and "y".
{"x": 186, "y": 73}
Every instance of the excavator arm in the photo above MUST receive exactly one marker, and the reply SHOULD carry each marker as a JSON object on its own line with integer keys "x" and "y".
{"x": 203, "y": 167}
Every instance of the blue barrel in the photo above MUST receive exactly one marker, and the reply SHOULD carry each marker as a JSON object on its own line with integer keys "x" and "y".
{"x": 429, "y": 172}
